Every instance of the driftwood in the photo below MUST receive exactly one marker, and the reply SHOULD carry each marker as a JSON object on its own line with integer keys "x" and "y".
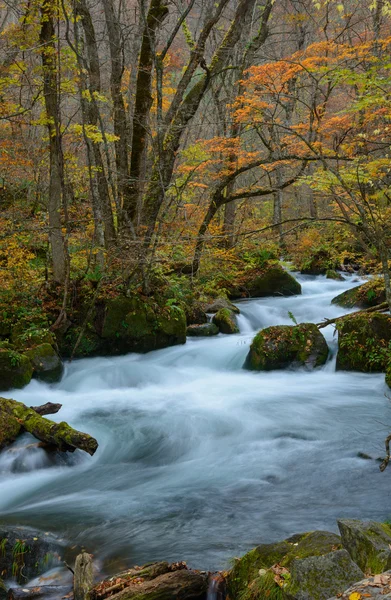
{"x": 154, "y": 579}
{"x": 383, "y": 307}
{"x": 42, "y": 592}
{"x": 47, "y": 409}
{"x": 83, "y": 578}
{"x": 16, "y": 417}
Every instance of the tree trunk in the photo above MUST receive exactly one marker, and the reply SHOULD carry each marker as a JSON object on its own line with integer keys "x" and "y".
{"x": 83, "y": 579}
{"x": 213, "y": 208}
{"x": 56, "y": 160}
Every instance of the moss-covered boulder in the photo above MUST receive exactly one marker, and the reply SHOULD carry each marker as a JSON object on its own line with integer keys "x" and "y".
{"x": 363, "y": 342}
{"x": 195, "y": 314}
{"x": 368, "y": 543}
{"x": 220, "y": 303}
{"x": 366, "y": 295}
{"x": 124, "y": 324}
{"x": 46, "y": 363}
{"x": 310, "y": 566}
{"x": 225, "y": 320}
{"x": 331, "y": 274}
{"x": 282, "y": 346}
{"x": 26, "y": 553}
{"x": 269, "y": 280}
{"x": 206, "y": 330}
{"x": 16, "y": 369}
{"x": 25, "y": 336}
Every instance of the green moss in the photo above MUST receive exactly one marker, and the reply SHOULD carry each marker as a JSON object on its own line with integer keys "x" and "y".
{"x": 364, "y": 343}
{"x": 225, "y": 320}
{"x": 15, "y": 369}
{"x": 46, "y": 363}
{"x": 270, "y": 280}
{"x": 9, "y": 431}
{"x": 279, "y": 346}
{"x": 366, "y": 295}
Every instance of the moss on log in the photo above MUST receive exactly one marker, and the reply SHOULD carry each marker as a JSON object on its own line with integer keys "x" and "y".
{"x": 16, "y": 417}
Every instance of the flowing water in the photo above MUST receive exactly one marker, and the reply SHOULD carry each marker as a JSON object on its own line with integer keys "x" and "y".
{"x": 200, "y": 460}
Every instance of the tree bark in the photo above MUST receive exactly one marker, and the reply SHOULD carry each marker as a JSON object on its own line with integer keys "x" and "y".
{"x": 56, "y": 159}
{"x": 83, "y": 579}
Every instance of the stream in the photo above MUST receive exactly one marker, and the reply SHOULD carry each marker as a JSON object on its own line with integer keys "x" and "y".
{"x": 199, "y": 460}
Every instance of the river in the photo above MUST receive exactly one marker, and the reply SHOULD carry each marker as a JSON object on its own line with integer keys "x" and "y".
{"x": 199, "y": 460}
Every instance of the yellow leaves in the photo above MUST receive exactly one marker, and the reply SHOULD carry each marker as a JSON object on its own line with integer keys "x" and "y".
{"x": 355, "y": 596}
{"x": 93, "y": 133}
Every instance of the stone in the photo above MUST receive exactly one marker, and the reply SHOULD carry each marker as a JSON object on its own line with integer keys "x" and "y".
{"x": 220, "y": 303}
{"x": 206, "y": 330}
{"x": 331, "y": 274}
{"x": 363, "y": 342}
{"x": 225, "y": 320}
{"x": 195, "y": 314}
{"x": 26, "y": 553}
{"x": 365, "y": 295}
{"x": 282, "y": 346}
{"x": 318, "y": 264}
{"x": 269, "y": 280}
{"x": 46, "y": 363}
{"x": 368, "y": 543}
{"x": 16, "y": 369}
{"x": 371, "y": 588}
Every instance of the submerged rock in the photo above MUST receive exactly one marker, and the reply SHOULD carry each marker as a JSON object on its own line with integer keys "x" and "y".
{"x": 270, "y": 280}
{"x": 310, "y": 566}
{"x": 282, "y": 346}
{"x": 368, "y": 543}
{"x": 365, "y": 295}
{"x": 225, "y": 320}
{"x": 26, "y": 553}
{"x": 206, "y": 330}
{"x": 363, "y": 342}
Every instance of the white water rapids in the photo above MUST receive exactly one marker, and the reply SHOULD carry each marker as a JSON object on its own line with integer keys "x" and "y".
{"x": 200, "y": 460}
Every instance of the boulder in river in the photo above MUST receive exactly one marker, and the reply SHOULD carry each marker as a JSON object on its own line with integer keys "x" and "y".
{"x": 363, "y": 342}
{"x": 225, "y": 320}
{"x": 46, "y": 363}
{"x": 268, "y": 280}
{"x": 377, "y": 587}
{"x": 282, "y": 346}
{"x": 16, "y": 369}
{"x": 366, "y": 295}
{"x": 319, "y": 263}
{"x": 220, "y": 303}
{"x": 368, "y": 543}
{"x": 205, "y": 330}
{"x": 195, "y": 314}
{"x": 310, "y": 566}
{"x": 332, "y": 274}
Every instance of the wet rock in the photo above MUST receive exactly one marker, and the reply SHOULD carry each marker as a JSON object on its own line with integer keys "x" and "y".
{"x": 368, "y": 543}
{"x": 206, "y": 330}
{"x": 365, "y": 295}
{"x": 282, "y": 346}
{"x": 225, "y": 320}
{"x": 319, "y": 263}
{"x": 375, "y": 588}
{"x": 269, "y": 280}
{"x": 26, "y": 553}
{"x": 46, "y": 363}
{"x": 195, "y": 314}
{"x": 220, "y": 303}
{"x": 16, "y": 369}
{"x": 363, "y": 342}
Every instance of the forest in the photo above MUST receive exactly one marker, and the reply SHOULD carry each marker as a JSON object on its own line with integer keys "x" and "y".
{"x": 195, "y": 274}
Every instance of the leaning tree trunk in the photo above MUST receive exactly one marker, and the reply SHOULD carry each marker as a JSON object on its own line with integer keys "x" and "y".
{"x": 56, "y": 160}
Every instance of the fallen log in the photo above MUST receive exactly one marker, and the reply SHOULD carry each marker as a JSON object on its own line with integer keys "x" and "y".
{"x": 47, "y": 409}
{"x": 42, "y": 592}
{"x": 16, "y": 418}
{"x": 177, "y": 585}
{"x": 383, "y": 307}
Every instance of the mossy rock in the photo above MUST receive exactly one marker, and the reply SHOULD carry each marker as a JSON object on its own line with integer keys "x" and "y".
{"x": 28, "y": 338}
{"x": 46, "y": 363}
{"x": 220, "y": 303}
{"x": 195, "y": 314}
{"x": 319, "y": 263}
{"x": 304, "y": 567}
{"x": 282, "y": 346}
{"x": 89, "y": 345}
{"x": 225, "y": 320}
{"x": 366, "y": 295}
{"x": 368, "y": 543}
{"x": 270, "y": 280}
{"x": 331, "y": 274}
{"x": 364, "y": 343}
{"x": 16, "y": 369}
{"x": 206, "y": 330}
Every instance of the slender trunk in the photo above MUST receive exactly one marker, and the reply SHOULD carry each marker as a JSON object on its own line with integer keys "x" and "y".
{"x": 56, "y": 160}
{"x": 277, "y": 206}
{"x": 200, "y": 242}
